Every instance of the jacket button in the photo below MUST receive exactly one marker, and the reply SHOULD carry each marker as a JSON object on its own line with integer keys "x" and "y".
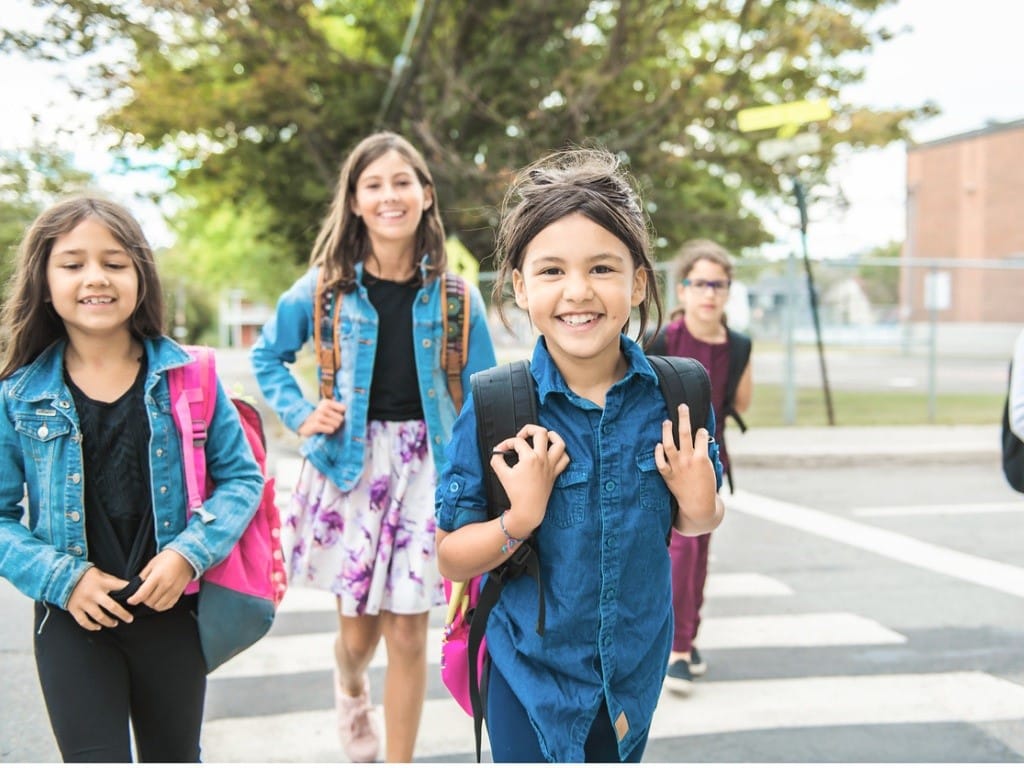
{"x": 427, "y": 343}
{"x": 75, "y": 517}
{"x": 43, "y": 432}
{"x": 76, "y": 478}
{"x": 75, "y": 550}
{"x": 430, "y": 392}
{"x": 65, "y": 404}
{"x": 159, "y": 452}
{"x": 163, "y": 489}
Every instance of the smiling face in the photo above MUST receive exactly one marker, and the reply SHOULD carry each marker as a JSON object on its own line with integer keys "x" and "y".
{"x": 578, "y": 284}
{"x": 91, "y": 280}
{"x": 390, "y": 198}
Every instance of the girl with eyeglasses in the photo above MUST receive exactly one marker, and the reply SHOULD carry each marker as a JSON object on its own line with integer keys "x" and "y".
{"x": 699, "y": 330}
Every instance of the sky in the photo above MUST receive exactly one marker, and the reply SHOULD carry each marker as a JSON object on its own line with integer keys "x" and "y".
{"x": 963, "y": 56}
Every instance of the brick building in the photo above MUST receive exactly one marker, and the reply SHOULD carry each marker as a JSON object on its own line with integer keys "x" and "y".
{"x": 965, "y": 200}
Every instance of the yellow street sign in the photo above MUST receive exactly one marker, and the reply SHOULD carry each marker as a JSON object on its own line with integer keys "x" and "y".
{"x": 786, "y": 117}
{"x": 461, "y": 261}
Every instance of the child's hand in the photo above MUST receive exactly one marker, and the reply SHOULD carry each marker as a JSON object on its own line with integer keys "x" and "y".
{"x": 163, "y": 580}
{"x": 326, "y": 419}
{"x": 529, "y": 483}
{"x": 689, "y": 474}
{"x": 91, "y": 604}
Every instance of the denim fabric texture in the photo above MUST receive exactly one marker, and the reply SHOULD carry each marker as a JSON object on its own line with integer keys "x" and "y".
{"x": 340, "y": 456}
{"x": 603, "y": 554}
{"x": 41, "y": 448}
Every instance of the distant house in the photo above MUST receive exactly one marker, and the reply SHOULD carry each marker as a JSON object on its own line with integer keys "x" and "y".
{"x": 964, "y": 202}
{"x": 241, "y": 319}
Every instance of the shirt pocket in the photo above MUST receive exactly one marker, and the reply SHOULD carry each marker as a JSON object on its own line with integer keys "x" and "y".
{"x": 568, "y": 503}
{"x": 654, "y": 494}
{"x": 41, "y": 435}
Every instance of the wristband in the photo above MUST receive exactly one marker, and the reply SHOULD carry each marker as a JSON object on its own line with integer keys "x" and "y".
{"x": 511, "y": 542}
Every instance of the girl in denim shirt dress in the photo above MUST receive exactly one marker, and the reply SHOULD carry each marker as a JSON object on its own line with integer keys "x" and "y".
{"x": 88, "y": 440}
{"x": 592, "y": 483}
{"x": 362, "y": 512}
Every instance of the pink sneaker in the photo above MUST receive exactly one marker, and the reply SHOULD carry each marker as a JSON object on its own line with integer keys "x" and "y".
{"x": 356, "y": 728}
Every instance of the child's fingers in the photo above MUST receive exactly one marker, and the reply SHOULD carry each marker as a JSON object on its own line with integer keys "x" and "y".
{"x": 700, "y": 442}
{"x": 684, "y": 428}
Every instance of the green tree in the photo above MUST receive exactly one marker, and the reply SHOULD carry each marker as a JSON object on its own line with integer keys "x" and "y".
{"x": 261, "y": 99}
{"x": 31, "y": 179}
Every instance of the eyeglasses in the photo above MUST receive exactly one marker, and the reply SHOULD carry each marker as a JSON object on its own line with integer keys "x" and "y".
{"x": 715, "y": 286}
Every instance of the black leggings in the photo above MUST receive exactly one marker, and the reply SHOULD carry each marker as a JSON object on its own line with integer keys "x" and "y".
{"x": 151, "y": 670}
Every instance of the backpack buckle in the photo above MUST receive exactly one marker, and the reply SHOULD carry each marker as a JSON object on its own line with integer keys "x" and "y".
{"x": 198, "y": 433}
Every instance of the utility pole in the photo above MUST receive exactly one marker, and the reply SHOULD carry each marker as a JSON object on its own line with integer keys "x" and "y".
{"x": 788, "y": 147}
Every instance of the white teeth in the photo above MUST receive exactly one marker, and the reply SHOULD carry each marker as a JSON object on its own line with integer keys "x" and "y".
{"x": 97, "y": 301}
{"x": 577, "y": 319}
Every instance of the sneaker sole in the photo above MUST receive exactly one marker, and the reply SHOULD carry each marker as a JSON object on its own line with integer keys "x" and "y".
{"x": 698, "y": 669}
{"x": 679, "y": 687}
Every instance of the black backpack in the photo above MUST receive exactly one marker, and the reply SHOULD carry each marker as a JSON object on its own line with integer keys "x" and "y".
{"x": 1013, "y": 450}
{"x": 505, "y": 400}
{"x": 739, "y": 356}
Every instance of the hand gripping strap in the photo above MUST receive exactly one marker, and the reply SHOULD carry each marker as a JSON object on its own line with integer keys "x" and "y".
{"x": 193, "y": 393}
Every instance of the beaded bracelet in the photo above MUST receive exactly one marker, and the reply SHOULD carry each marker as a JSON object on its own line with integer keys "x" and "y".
{"x": 511, "y": 542}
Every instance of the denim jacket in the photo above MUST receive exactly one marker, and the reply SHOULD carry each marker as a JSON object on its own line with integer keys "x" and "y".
{"x": 340, "y": 456}
{"x": 41, "y": 448}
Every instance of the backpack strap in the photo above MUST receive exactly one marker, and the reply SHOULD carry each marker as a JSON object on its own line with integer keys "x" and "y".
{"x": 505, "y": 400}
{"x": 326, "y": 320}
{"x": 455, "y": 322}
{"x": 683, "y": 380}
{"x": 192, "y": 389}
{"x": 739, "y": 356}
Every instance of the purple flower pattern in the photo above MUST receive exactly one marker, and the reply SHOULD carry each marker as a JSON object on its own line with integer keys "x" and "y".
{"x": 374, "y": 545}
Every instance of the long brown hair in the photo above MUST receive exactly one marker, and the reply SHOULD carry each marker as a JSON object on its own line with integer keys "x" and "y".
{"x": 30, "y": 322}
{"x": 586, "y": 181}
{"x": 344, "y": 241}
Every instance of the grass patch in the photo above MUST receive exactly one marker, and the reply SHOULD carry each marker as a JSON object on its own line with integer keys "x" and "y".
{"x": 863, "y": 409}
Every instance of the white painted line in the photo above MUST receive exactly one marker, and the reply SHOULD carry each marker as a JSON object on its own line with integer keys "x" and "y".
{"x": 743, "y": 585}
{"x": 794, "y": 631}
{"x": 948, "y": 562}
{"x": 719, "y": 585}
{"x": 952, "y": 697}
{"x": 313, "y": 652}
{"x": 992, "y": 507}
{"x": 722, "y": 707}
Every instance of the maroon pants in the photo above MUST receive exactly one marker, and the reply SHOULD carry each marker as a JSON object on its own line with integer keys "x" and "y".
{"x": 689, "y": 572}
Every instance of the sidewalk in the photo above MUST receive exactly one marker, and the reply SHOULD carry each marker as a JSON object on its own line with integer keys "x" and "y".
{"x": 838, "y": 446}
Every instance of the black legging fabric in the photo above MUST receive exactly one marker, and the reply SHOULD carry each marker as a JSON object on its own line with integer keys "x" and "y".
{"x": 150, "y": 671}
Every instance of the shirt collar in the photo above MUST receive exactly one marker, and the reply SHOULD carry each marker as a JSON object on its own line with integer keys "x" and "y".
{"x": 549, "y": 379}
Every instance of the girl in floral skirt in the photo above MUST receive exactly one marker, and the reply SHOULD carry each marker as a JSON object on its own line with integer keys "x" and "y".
{"x": 362, "y": 514}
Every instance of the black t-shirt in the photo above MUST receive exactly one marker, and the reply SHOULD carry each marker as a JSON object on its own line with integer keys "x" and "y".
{"x": 394, "y": 394}
{"x": 119, "y": 527}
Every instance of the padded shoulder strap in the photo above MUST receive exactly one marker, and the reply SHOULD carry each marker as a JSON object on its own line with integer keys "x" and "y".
{"x": 193, "y": 394}
{"x": 683, "y": 380}
{"x": 326, "y": 317}
{"x": 739, "y": 356}
{"x": 505, "y": 400}
{"x": 455, "y": 322}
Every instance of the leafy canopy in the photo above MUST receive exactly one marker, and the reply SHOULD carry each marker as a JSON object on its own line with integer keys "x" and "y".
{"x": 259, "y": 100}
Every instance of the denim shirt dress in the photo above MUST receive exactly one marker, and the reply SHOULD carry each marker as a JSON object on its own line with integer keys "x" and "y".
{"x": 604, "y": 560}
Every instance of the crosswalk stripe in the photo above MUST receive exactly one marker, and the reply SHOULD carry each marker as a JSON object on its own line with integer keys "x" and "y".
{"x": 719, "y": 707}
{"x": 974, "y": 508}
{"x": 719, "y": 585}
{"x": 1000, "y": 577}
{"x": 313, "y": 652}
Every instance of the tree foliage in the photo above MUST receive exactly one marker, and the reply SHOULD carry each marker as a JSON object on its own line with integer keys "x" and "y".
{"x": 260, "y": 99}
{"x": 30, "y": 179}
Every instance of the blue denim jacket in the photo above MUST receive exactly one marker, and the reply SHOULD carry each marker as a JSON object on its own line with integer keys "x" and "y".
{"x": 41, "y": 448}
{"x": 340, "y": 456}
{"x": 603, "y": 554}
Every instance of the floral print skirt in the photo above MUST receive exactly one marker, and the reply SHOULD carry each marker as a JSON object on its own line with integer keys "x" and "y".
{"x": 373, "y": 546}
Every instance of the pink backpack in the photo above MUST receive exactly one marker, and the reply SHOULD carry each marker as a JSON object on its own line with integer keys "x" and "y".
{"x": 239, "y": 596}
{"x": 462, "y": 599}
